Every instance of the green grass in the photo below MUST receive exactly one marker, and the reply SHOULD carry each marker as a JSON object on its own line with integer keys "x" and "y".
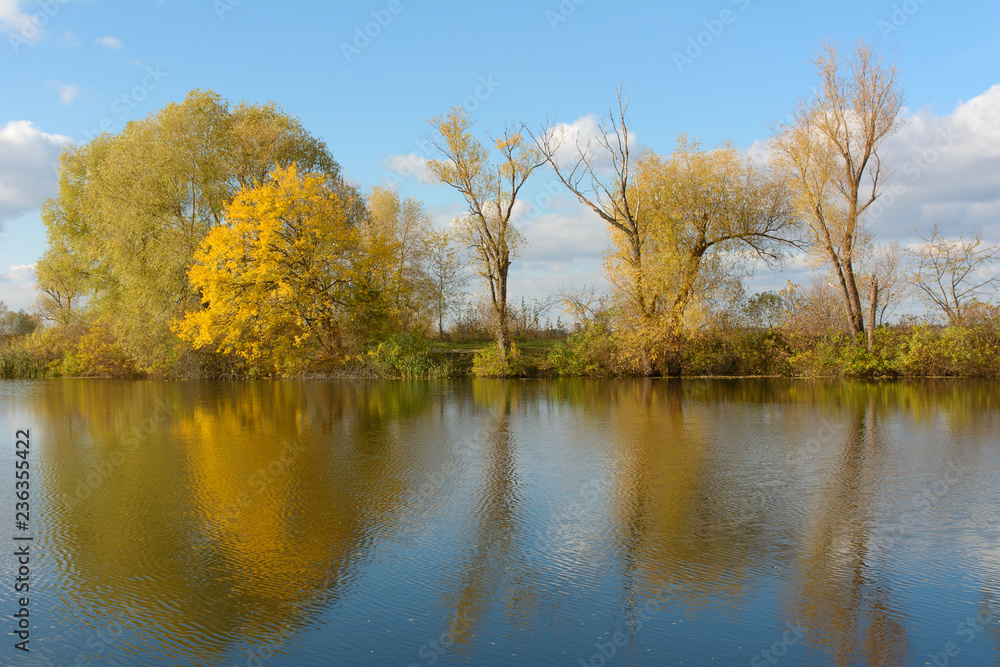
{"x": 534, "y": 353}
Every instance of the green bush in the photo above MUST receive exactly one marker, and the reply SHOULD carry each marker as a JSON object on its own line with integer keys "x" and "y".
{"x": 488, "y": 362}
{"x": 589, "y": 351}
{"x": 404, "y": 356}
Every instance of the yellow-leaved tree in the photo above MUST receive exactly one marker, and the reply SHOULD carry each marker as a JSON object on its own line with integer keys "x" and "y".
{"x": 285, "y": 280}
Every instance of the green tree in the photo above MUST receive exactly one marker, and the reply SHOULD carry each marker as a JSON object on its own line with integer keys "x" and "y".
{"x": 133, "y": 207}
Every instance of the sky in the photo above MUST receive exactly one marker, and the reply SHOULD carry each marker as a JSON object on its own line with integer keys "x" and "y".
{"x": 367, "y": 76}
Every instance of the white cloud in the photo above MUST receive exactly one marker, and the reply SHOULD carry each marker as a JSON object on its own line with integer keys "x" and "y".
{"x": 112, "y": 43}
{"x": 17, "y": 22}
{"x": 946, "y": 171}
{"x": 67, "y": 91}
{"x": 17, "y": 286}
{"x": 584, "y": 136}
{"x": 28, "y": 167}
{"x": 411, "y": 165}
{"x": 574, "y": 232}
{"x": 22, "y": 27}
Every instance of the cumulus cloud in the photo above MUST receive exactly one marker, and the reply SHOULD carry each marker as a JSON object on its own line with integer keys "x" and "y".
{"x": 411, "y": 165}
{"x": 112, "y": 43}
{"x": 17, "y": 286}
{"x": 15, "y": 21}
{"x": 570, "y": 233}
{"x": 584, "y": 137}
{"x": 28, "y": 167}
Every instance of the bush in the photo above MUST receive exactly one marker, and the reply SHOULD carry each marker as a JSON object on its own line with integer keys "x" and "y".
{"x": 589, "y": 351}
{"x": 489, "y": 363}
{"x": 404, "y": 356}
{"x": 740, "y": 352}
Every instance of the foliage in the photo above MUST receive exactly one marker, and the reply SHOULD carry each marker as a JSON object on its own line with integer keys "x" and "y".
{"x": 14, "y": 324}
{"x": 133, "y": 207}
{"x": 492, "y": 362}
{"x": 405, "y": 356}
{"x": 738, "y": 352}
{"x": 490, "y": 190}
{"x": 590, "y": 351}
{"x": 283, "y": 281}
{"x": 829, "y": 151}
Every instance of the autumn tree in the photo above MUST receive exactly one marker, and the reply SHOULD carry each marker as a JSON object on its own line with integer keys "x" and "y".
{"x": 599, "y": 172}
{"x": 490, "y": 188}
{"x": 444, "y": 272}
{"x": 283, "y": 280}
{"x": 133, "y": 207}
{"x": 710, "y": 214}
{"x": 403, "y": 224}
{"x": 950, "y": 275}
{"x": 830, "y": 151}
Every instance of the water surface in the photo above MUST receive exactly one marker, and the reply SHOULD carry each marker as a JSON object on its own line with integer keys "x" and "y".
{"x": 564, "y": 522}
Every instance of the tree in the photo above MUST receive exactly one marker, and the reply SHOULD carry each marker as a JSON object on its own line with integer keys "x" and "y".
{"x": 14, "y": 324}
{"x": 709, "y": 214}
{"x": 490, "y": 190}
{"x": 830, "y": 151}
{"x": 283, "y": 280}
{"x": 950, "y": 274}
{"x": 882, "y": 281}
{"x": 403, "y": 223}
{"x": 610, "y": 192}
{"x": 61, "y": 283}
{"x": 444, "y": 269}
{"x": 133, "y": 207}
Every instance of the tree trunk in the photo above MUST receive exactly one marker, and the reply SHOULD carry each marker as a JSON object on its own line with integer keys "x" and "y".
{"x": 872, "y": 309}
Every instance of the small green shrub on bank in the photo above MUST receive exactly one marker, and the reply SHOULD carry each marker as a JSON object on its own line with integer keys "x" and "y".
{"x": 489, "y": 362}
{"x": 405, "y": 356}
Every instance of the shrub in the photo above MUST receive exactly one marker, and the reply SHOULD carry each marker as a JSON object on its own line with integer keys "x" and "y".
{"x": 404, "y": 356}
{"x": 589, "y": 351}
{"x": 489, "y": 363}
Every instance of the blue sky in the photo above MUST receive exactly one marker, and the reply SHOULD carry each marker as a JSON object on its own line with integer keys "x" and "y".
{"x": 719, "y": 71}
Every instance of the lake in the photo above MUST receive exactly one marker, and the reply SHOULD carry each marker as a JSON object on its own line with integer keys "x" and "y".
{"x": 490, "y": 522}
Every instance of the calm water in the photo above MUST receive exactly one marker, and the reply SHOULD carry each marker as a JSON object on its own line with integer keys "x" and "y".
{"x": 507, "y": 523}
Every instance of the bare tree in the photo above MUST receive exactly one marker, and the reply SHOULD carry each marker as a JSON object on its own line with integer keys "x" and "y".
{"x": 885, "y": 286}
{"x": 444, "y": 269}
{"x": 830, "y": 151}
{"x": 611, "y": 194}
{"x": 490, "y": 191}
{"x": 950, "y": 274}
